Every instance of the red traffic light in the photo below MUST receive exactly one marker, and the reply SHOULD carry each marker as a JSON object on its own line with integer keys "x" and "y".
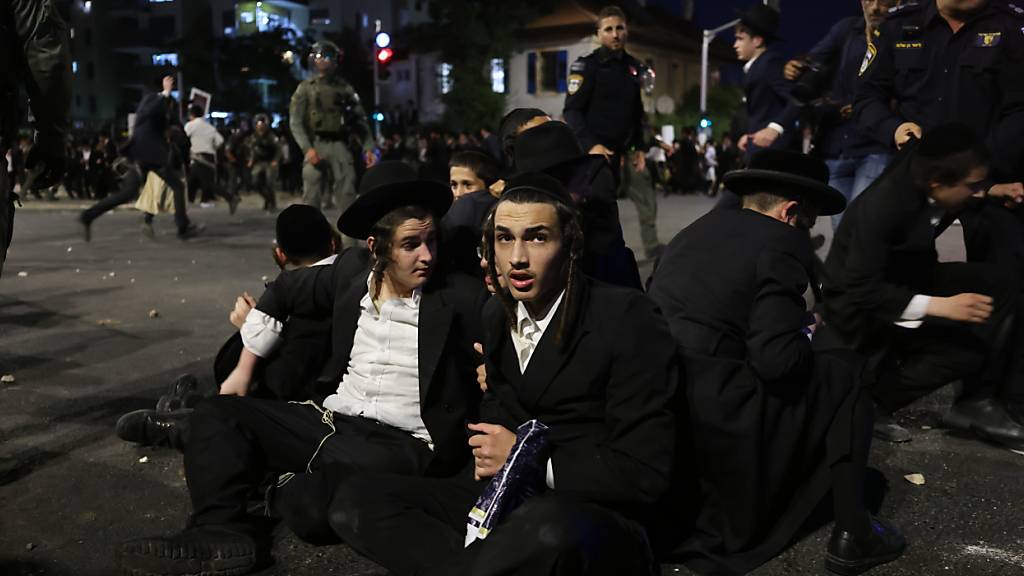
{"x": 384, "y": 55}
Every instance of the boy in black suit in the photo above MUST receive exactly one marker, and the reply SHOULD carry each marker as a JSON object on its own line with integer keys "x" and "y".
{"x": 922, "y": 323}
{"x": 592, "y": 362}
{"x": 775, "y": 425}
{"x": 402, "y": 365}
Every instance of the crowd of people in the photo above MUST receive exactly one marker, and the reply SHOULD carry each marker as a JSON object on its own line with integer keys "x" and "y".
{"x": 469, "y": 375}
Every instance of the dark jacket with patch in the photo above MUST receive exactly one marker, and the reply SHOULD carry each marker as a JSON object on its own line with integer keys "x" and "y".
{"x": 603, "y": 104}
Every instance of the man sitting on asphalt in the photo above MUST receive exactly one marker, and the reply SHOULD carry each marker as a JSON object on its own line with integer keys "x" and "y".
{"x": 402, "y": 340}
{"x": 922, "y": 323}
{"x": 591, "y": 362}
{"x": 775, "y": 425}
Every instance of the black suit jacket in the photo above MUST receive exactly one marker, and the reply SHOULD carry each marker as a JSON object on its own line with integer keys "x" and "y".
{"x": 882, "y": 255}
{"x": 148, "y": 144}
{"x": 449, "y": 324}
{"x": 604, "y": 391}
{"x": 767, "y": 92}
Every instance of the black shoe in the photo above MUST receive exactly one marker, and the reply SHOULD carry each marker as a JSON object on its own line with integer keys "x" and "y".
{"x": 190, "y": 231}
{"x": 197, "y": 551}
{"x": 182, "y": 393}
{"x": 964, "y": 413}
{"x": 887, "y": 429}
{"x": 152, "y": 428}
{"x": 1001, "y": 427}
{"x": 233, "y": 203}
{"x": 849, "y": 555}
{"x": 86, "y": 227}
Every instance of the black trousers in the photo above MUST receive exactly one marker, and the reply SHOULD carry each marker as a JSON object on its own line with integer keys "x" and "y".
{"x": 234, "y": 442}
{"x": 417, "y": 526}
{"x": 988, "y": 357}
{"x": 203, "y": 176}
{"x": 129, "y": 190}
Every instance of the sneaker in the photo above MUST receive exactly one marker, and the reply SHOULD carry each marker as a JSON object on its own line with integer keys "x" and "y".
{"x": 887, "y": 429}
{"x": 203, "y": 550}
{"x": 152, "y": 428}
{"x": 849, "y": 555}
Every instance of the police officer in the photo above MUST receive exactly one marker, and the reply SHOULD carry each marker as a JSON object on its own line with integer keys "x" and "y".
{"x": 605, "y": 109}
{"x": 264, "y": 156}
{"x": 949, "y": 60}
{"x": 324, "y": 112}
{"x": 33, "y": 53}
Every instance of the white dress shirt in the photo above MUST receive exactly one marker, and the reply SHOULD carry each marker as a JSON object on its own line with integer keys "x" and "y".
{"x": 204, "y": 138}
{"x": 525, "y": 339}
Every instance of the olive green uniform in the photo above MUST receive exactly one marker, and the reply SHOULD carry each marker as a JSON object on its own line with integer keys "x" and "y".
{"x": 34, "y": 53}
{"x": 265, "y": 152}
{"x": 324, "y": 114}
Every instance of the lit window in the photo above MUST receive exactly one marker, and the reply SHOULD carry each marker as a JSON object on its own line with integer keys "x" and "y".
{"x": 72, "y": 32}
{"x": 247, "y": 17}
{"x": 74, "y": 67}
{"x": 444, "y": 77}
{"x": 87, "y": 6}
{"x": 229, "y": 30}
{"x": 498, "y": 75}
{"x": 165, "y": 59}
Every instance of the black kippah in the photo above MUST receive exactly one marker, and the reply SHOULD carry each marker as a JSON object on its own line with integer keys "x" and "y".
{"x": 302, "y": 231}
{"x": 948, "y": 139}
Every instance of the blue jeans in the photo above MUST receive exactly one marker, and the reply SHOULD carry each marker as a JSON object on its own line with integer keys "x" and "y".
{"x": 851, "y": 176}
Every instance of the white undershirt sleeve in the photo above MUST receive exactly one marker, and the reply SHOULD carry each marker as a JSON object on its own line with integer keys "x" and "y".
{"x": 777, "y": 127}
{"x": 915, "y": 312}
{"x": 261, "y": 333}
{"x": 550, "y": 479}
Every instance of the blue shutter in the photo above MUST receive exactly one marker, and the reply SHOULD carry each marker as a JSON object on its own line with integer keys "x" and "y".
{"x": 531, "y": 72}
{"x": 561, "y": 73}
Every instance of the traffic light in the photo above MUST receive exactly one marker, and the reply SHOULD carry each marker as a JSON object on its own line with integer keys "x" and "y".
{"x": 384, "y": 55}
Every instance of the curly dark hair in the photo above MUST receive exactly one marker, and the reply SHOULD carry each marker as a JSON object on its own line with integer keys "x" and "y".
{"x": 384, "y": 234}
{"x": 572, "y": 245}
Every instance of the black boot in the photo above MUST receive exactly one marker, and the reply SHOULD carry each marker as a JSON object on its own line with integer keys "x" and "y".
{"x": 849, "y": 555}
{"x": 1002, "y": 425}
{"x": 964, "y": 413}
{"x": 206, "y": 551}
{"x": 152, "y": 428}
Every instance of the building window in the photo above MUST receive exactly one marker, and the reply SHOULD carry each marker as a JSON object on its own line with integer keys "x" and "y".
{"x": 554, "y": 66}
{"x": 444, "y": 78}
{"x": 87, "y": 6}
{"x": 74, "y": 67}
{"x": 498, "y": 84}
{"x": 165, "y": 59}
{"x": 78, "y": 100}
{"x": 320, "y": 17}
{"x": 88, "y": 37}
{"x": 162, "y": 28}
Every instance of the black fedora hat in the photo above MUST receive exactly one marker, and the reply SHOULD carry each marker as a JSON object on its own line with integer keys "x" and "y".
{"x": 387, "y": 186}
{"x": 788, "y": 174}
{"x": 546, "y": 146}
{"x": 762, "y": 19}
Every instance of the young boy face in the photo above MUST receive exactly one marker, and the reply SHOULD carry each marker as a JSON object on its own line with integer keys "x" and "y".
{"x": 464, "y": 181}
{"x": 413, "y": 253}
{"x": 746, "y": 45}
{"x": 528, "y": 251}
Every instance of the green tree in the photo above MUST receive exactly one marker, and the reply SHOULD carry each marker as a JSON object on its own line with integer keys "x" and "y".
{"x": 468, "y": 34}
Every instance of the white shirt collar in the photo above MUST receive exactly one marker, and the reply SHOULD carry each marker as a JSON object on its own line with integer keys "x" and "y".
{"x": 326, "y": 261}
{"x": 746, "y": 67}
{"x": 367, "y": 301}
{"x": 528, "y": 326}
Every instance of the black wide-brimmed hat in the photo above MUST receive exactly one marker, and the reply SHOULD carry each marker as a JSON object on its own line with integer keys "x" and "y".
{"x": 788, "y": 174}
{"x": 387, "y": 186}
{"x": 546, "y": 146}
{"x": 538, "y": 182}
{"x": 762, "y": 19}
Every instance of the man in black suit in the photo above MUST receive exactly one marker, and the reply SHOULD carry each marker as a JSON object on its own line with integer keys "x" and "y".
{"x": 771, "y": 114}
{"x": 775, "y": 426}
{"x": 150, "y": 151}
{"x": 592, "y": 362}
{"x": 402, "y": 361}
{"x": 925, "y": 324}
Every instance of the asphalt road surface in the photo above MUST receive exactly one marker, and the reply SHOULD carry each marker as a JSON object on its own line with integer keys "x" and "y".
{"x": 77, "y": 334}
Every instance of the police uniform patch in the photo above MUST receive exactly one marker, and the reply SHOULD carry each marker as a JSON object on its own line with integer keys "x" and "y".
{"x": 908, "y": 45}
{"x": 575, "y": 81}
{"x": 578, "y": 66}
{"x": 988, "y": 39}
{"x": 869, "y": 57}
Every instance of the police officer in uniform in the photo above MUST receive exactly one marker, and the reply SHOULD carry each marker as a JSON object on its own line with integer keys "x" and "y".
{"x": 325, "y": 112}
{"x": 264, "y": 157}
{"x": 605, "y": 109}
{"x": 34, "y": 54}
{"x": 949, "y": 61}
